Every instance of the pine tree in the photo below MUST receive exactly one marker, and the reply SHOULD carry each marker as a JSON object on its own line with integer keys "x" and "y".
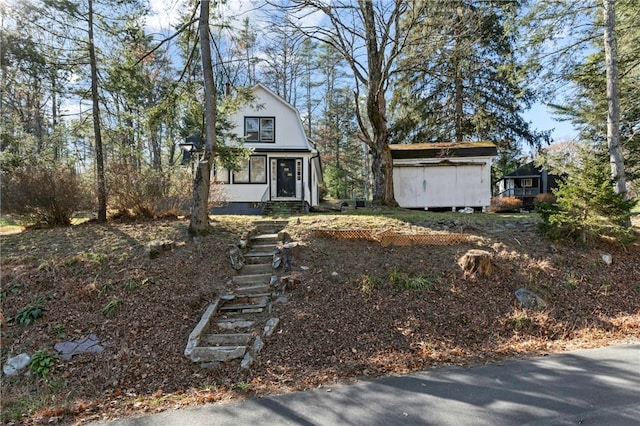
{"x": 587, "y": 205}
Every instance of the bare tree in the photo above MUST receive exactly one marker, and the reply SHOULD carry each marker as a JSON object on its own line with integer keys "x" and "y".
{"x": 200, "y": 208}
{"x": 370, "y": 35}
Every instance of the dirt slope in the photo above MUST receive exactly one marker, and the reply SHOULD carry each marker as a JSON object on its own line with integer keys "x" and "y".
{"x": 355, "y": 308}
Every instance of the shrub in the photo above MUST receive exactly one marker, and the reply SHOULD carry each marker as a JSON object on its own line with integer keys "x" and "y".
{"x": 545, "y": 205}
{"x": 45, "y": 195}
{"x": 30, "y": 313}
{"x": 504, "y": 204}
{"x": 41, "y": 363}
{"x": 142, "y": 192}
{"x": 587, "y": 206}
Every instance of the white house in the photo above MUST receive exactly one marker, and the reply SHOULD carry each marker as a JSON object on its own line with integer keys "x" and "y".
{"x": 284, "y": 166}
{"x": 443, "y": 175}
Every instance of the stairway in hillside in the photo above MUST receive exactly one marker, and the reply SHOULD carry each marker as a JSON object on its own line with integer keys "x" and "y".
{"x": 234, "y": 325}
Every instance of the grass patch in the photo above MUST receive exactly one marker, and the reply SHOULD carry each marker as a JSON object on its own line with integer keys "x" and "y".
{"x": 406, "y": 282}
{"x": 367, "y": 284}
{"x": 520, "y": 321}
{"x": 112, "y": 307}
{"x": 30, "y": 313}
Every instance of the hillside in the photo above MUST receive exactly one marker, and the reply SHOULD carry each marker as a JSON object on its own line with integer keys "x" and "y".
{"x": 356, "y": 308}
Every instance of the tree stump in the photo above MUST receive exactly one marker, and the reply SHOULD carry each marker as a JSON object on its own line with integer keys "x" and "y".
{"x": 476, "y": 262}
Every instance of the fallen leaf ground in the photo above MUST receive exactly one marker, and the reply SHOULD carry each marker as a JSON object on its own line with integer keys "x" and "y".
{"x": 356, "y": 309}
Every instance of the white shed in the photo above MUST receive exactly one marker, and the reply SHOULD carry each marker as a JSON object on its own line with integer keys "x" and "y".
{"x": 443, "y": 175}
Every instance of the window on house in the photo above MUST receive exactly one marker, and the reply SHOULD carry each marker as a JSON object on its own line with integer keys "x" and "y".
{"x": 259, "y": 129}
{"x": 526, "y": 183}
{"x": 252, "y": 170}
{"x": 222, "y": 174}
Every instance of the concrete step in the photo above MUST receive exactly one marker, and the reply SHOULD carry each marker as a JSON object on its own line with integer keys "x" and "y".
{"x": 217, "y": 353}
{"x": 257, "y": 268}
{"x": 252, "y": 279}
{"x": 233, "y": 339}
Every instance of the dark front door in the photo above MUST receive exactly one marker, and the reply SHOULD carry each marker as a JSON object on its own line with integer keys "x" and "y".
{"x": 286, "y": 185}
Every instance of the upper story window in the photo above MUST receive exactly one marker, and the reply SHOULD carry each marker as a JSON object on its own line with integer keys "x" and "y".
{"x": 260, "y": 129}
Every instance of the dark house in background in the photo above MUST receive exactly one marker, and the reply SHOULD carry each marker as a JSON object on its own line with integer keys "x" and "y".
{"x": 526, "y": 183}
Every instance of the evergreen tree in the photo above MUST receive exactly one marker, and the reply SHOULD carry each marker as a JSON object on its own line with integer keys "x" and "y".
{"x": 460, "y": 79}
{"x": 587, "y": 205}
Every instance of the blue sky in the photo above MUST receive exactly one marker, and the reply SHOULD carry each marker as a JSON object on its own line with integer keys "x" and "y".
{"x": 543, "y": 119}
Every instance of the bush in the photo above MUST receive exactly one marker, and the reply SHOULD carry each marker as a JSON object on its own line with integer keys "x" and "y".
{"x": 545, "y": 205}
{"x": 587, "y": 207}
{"x": 505, "y": 204}
{"x": 147, "y": 193}
{"x": 45, "y": 195}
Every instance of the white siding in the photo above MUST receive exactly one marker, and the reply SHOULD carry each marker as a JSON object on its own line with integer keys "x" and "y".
{"x": 432, "y": 184}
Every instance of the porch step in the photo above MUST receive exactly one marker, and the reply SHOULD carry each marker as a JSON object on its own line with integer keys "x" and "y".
{"x": 252, "y": 279}
{"x": 284, "y": 208}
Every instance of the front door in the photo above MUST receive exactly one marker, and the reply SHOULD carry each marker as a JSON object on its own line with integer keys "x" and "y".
{"x": 286, "y": 183}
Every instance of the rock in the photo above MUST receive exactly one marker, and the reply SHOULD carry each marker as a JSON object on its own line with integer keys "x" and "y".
{"x": 606, "y": 258}
{"x": 277, "y": 260}
{"x": 236, "y": 257}
{"x": 67, "y": 349}
{"x": 304, "y": 268}
{"x": 246, "y": 361}
{"x": 258, "y": 344}
{"x": 270, "y": 326}
{"x": 157, "y": 247}
{"x": 15, "y": 364}
{"x": 476, "y": 262}
{"x": 466, "y": 210}
{"x": 529, "y": 300}
{"x": 334, "y": 274}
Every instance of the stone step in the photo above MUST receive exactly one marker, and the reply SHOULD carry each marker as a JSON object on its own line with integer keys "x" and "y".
{"x": 257, "y": 268}
{"x": 259, "y": 259}
{"x": 253, "y": 289}
{"x": 252, "y": 279}
{"x": 248, "y": 308}
{"x": 263, "y": 249}
{"x": 265, "y": 238}
{"x": 233, "y": 339}
{"x": 260, "y": 253}
{"x": 234, "y": 323}
{"x": 217, "y": 353}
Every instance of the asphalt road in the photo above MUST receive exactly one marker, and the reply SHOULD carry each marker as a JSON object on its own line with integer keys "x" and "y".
{"x": 587, "y": 387}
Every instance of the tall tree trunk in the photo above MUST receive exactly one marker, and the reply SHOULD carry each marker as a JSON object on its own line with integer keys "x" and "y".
{"x": 102, "y": 190}
{"x": 200, "y": 209}
{"x": 382, "y": 163}
{"x": 613, "y": 98}
{"x": 459, "y": 135}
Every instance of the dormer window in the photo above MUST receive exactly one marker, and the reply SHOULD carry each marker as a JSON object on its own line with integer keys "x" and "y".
{"x": 259, "y": 129}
